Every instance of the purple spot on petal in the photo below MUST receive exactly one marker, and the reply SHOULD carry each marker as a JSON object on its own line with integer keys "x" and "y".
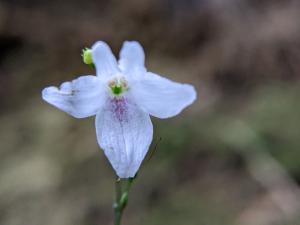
{"x": 118, "y": 107}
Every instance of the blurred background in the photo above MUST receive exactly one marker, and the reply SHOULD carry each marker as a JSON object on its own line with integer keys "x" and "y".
{"x": 232, "y": 158}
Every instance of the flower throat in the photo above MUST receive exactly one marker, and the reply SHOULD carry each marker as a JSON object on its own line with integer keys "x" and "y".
{"x": 118, "y": 86}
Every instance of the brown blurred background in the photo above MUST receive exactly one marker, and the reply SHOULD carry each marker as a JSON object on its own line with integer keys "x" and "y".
{"x": 233, "y": 158}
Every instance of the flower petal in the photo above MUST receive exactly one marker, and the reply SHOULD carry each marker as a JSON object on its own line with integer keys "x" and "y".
{"x": 161, "y": 97}
{"x": 132, "y": 58}
{"x": 80, "y": 98}
{"x": 124, "y": 132}
{"x": 104, "y": 60}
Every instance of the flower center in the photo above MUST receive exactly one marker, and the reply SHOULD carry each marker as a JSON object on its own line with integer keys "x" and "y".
{"x": 118, "y": 86}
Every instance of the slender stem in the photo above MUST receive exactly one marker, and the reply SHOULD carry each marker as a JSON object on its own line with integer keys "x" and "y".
{"x": 118, "y": 187}
{"x": 116, "y": 206}
{"x": 122, "y": 189}
{"x": 118, "y": 216}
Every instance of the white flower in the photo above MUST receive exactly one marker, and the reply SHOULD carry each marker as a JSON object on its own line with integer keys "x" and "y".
{"x": 122, "y": 95}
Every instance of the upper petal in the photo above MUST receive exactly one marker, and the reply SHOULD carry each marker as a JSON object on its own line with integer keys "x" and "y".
{"x": 80, "y": 98}
{"x": 124, "y": 132}
{"x": 104, "y": 60}
{"x": 132, "y": 58}
{"x": 161, "y": 97}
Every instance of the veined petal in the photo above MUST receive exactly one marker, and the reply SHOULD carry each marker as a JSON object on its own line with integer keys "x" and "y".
{"x": 132, "y": 58}
{"x": 80, "y": 98}
{"x": 161, "y": 97}
{"x": 104, "y": 59}
{"x": 124, "y": 132}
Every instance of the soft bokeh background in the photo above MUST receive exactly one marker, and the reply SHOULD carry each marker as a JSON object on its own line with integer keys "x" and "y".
{"x": 233, "y": 158}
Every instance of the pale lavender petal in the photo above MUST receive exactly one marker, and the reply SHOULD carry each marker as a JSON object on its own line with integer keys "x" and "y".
{"x": 132, "y": 58}
{"x": 161, "y": 97}
{"x": 80, "y": 98}
{"x": 104, "y": 60}
{"x": 124, "y": 132}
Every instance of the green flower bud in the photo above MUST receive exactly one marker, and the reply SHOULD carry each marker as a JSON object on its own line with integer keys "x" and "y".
{"x": 87, "y": 56}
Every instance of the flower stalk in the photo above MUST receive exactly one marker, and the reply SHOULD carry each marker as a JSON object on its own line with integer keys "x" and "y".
{"x": 122, "y": 187}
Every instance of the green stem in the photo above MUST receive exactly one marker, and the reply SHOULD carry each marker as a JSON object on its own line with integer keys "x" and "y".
{"x": 118, "y": 217}
{"x": 122, "y": 189}
{"x": 118, "y": 190}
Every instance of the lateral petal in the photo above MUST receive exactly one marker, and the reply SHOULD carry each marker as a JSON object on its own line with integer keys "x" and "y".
{"x": 161, "y": 97}
{"x": 80, "y": 98}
